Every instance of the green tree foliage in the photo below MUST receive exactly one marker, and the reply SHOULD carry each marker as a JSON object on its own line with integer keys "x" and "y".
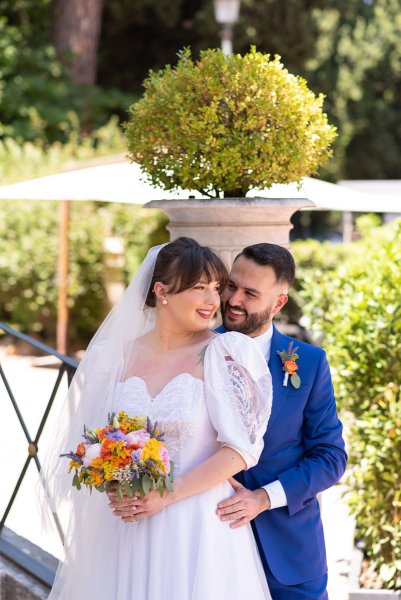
{"x": 37, "y": 99}
{"x": 227, "y": 124}
{"x": 348, "y": 49}
{"x": 147, "y": 34}
{"x": 351, "y": 51}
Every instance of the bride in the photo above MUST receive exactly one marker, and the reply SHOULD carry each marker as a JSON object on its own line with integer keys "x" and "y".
{"x": 211, "y": 396}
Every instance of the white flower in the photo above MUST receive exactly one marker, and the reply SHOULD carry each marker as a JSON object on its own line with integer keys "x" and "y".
{"x": 91, "y": 453}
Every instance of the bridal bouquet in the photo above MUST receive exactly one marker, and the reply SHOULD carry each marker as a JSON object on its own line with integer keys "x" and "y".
{"x": 129, "y": 453}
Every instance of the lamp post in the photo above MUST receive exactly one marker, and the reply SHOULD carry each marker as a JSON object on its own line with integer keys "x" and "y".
{"x": 226, "y": 13}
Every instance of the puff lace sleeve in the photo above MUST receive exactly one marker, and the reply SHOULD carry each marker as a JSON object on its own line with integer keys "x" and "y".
{"x": 238, "y": 391}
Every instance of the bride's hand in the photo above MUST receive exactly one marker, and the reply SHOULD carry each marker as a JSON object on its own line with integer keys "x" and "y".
{"x": 137, "y": 507}
{"x": 150, "y": 504}
{"x": 127, "y": 508}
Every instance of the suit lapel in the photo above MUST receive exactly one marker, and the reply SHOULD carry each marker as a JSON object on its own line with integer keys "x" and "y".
{"x": 279, "y": 342}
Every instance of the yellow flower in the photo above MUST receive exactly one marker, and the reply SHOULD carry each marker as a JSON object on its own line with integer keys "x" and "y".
{"x": 74, "y": 465}
{"x": 151, "y": 450}
{"x": 128, "y": 424}
{"x": 95, "y": 478}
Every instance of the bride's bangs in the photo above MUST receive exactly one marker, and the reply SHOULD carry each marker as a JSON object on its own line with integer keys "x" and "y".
{"x": 196, "y": 266}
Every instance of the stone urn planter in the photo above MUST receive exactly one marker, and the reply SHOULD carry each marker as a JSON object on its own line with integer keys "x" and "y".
{"x": 222, "y": 126}
{"x": 230, "y": 224}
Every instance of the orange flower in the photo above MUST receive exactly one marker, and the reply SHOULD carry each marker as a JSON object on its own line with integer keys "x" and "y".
{"x": 80, "y": 449}
{"x": 108, "y": 446}
{"x": 290, "y": 366}
{"x": 101, "y": 433}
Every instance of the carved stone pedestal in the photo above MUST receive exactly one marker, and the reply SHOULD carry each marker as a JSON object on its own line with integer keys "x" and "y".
{"x": 228, "y": 225}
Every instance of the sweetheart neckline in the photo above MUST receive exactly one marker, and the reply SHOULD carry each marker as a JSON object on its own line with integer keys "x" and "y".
{"x": 186, "y": 374}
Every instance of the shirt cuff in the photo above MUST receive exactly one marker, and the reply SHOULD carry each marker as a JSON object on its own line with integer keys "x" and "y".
{"x": 276, "y": 494}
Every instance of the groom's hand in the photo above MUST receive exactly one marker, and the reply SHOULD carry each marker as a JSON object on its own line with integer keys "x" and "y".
{"x": 243, "y": 506}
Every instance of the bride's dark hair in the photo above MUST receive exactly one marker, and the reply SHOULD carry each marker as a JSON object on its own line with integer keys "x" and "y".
{"x": 182, "y": 263}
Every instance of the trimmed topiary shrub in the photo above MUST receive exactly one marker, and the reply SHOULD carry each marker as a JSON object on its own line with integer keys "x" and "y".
{"x": 226, "y": 124}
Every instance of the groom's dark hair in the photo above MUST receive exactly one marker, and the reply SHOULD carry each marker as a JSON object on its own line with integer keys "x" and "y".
{"x": 272, "y": 255}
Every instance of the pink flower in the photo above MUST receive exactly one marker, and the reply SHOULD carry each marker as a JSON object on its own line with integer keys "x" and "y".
{"x": 91, "y": 453}
{"x": 164, "y": 457}
{"x": 137, "y": 439}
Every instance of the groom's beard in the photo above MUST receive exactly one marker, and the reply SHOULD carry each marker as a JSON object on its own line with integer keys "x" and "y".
{"x": 251, "y": 323}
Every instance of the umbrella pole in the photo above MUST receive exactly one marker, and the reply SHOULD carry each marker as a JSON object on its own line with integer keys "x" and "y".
{"x": 62, "y": 308}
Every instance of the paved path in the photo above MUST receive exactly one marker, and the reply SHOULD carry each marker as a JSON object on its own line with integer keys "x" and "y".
{"x": 32, "y": 386}
{"x": 339, "y": 533}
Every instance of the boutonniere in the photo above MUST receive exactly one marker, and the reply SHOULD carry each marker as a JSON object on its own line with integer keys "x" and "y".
{"x": 290, "y": 367}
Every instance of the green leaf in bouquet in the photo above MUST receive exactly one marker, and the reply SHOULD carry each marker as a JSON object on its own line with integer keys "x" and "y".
{"x": 120, "y": 492}
{"x": 101, "y": 487}
{"x": 128, "y": 489}
{"x": 75, "y": 481}
{"x": 146, "y": 483}
{"x": 168, "y": 483}
{"x": 160, "y": 487}
{"x": 135, "y": 485}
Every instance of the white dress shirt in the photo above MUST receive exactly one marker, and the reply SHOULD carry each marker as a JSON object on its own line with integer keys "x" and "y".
{"x": 274, "y": 490}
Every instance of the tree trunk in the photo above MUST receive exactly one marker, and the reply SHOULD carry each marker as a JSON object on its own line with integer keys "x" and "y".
{"x": 76, "y": 33}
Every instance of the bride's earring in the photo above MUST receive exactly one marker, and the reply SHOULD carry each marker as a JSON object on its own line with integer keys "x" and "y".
{"x": 164, "y": 302}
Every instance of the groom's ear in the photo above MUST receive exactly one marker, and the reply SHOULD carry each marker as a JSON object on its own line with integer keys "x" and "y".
{"x": 280, "y": 302}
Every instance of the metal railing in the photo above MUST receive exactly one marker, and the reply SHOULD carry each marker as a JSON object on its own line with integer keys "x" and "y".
{"x": 66, "y": 368}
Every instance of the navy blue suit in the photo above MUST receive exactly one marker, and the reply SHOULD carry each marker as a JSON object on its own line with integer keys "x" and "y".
{"x": 304, "y": 449}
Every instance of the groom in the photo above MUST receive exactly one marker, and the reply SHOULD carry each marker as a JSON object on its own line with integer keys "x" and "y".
{"x": 304, "y": 449}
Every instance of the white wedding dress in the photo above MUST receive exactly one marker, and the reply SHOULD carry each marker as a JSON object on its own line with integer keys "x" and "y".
{"x": 184, "y": 552}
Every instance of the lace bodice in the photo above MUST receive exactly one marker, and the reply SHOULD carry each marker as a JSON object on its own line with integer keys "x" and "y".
{"x": 230, "y": 408}
{"x": 174, "y": 408}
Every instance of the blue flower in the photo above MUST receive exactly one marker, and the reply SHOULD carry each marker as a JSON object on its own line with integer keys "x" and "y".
{"x": 116, "y": 436}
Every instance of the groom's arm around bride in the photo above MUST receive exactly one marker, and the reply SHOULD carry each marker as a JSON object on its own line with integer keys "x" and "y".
{"x": 304, "y": 450}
